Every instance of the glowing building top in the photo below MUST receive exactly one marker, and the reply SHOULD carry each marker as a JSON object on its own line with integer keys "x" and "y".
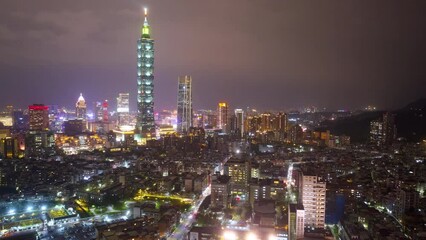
{"x": 80, "y": 107}
{"x": 146, "y": 28}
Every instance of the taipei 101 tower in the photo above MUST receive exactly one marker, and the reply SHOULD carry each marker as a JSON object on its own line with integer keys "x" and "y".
{"x": 145, "y": 126}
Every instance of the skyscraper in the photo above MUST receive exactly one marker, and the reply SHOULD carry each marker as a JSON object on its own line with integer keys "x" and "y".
{"x": 80, "y": 108}
{"x": 123, "y": 103}
{"x": 239, "y": 114}
{"x": 184, "y": 102}
{"x": 123, "y": 109}
{"x": 105, "y": 114}
{"x": 39, "y": 117}
{"x": 222, "y": 116}
{"x": 145, "y": 80}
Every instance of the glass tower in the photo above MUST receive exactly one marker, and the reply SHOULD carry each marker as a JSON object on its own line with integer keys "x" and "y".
{"x": 145, "y": 118}
{"x": 184, "y": 108}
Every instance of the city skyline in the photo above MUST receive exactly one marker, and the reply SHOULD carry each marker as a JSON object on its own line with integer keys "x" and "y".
{"x": 305, "y": 120}
{"x": 72, "y": 59}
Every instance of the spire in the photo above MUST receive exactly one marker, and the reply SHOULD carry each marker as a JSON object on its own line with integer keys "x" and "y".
{"x": 146, "y": 29}
{"x": 81, "y": 98}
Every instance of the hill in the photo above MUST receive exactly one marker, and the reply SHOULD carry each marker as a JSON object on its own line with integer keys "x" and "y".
{"x": 410, "y": 122}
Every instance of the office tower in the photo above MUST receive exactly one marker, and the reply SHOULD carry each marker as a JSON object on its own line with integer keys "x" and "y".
{"x": 98, "y": 113}
{"x": 39, "y": 117}
{"x": 239, "y": 114}
{"x": 39, "y": 141}
{"x": 123, "y": 109}
{"x": 222, "y": 116}
{"x": 105, "y": 114}
{"x": 80, "y": 108}
{"x": 20, "y": 121}
{"x": 313, "y": 199}
{"x": 123, "y": 103}
{"x": 145, "y": 79}
{"x": 296, "y": 221}
{"x": 184, "y": 104}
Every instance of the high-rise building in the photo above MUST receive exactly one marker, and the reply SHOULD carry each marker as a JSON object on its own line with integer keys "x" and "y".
{"x": 376, "y": 132}
{"x": 145, "y": 80}
{"x": 222, "y": 116}
{"x": 123, "y": 109}
{"x": 97, "y": 112}
{"x": 123, "y": 103}
{"x": 266, "y": 121}
{"x": 389, "y": 128}
{"x": 239, "y": 114}
{"x": 313, "y": 198}
{"x": 281, "y": 122}
{"x": 105, "y": 114}
{"x": 39, "y": 117}
{"x": 296, "y": 221}
{"x": 80, "y": 108}
{"x": 383, "y": 132}
{"x": 220, "y": 191}
{"x": 184, "y": 104}
{"x": 239, "y": 172}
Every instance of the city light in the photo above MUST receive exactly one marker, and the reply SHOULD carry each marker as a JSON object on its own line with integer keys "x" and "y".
{"x": 29, "y": 208}
{"x": 251, "y": 236}
{"x": 272, "y": 237}
{"x": 228, "y": 235}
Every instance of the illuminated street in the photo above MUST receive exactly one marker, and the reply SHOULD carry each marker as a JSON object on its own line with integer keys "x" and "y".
{"x": 189, "y": 218}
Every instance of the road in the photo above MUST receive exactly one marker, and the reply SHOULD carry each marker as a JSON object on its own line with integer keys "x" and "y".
{"x": 290, "y": 194}
{"x": 189, "y": 218}
{"x": 182, "y": 230}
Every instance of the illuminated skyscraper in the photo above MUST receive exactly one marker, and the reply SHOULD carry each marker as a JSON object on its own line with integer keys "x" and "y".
{"x": 239, "y": 114}
{"x": 184, "y": 102}
{"x": 98, "y": 113}
{"x": 145, "y": 79}
{"x": 123, "y": 109}
{"x": 39, "y": 117}
{"x": 80, "y": 108}
{"x": 313, "y": 199}
{"x": 222, "y": 116}
{"x": 105, "y": 114}
{"x": 123, "y": 103}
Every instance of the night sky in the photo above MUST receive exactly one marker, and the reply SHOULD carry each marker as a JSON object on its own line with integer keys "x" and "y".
{"x": 268, "y": 54}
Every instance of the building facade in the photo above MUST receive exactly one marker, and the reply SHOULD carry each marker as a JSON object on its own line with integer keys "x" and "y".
{"x": 184, "y": 104}
{"x": 313, "y": 199}
{"x": 39, "y": 117}
{"x": 239, "y": 115}
{"x": 222, "y": 116}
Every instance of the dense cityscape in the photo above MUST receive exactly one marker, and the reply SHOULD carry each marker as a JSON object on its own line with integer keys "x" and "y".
{"x": 102, "y": 170}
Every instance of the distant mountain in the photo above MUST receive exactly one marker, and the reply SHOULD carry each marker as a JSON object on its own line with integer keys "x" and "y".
{"x": 410, "y": 123}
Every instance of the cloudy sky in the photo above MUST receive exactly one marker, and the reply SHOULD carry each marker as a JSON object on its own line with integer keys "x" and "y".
{"x": 269, "y": 54}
